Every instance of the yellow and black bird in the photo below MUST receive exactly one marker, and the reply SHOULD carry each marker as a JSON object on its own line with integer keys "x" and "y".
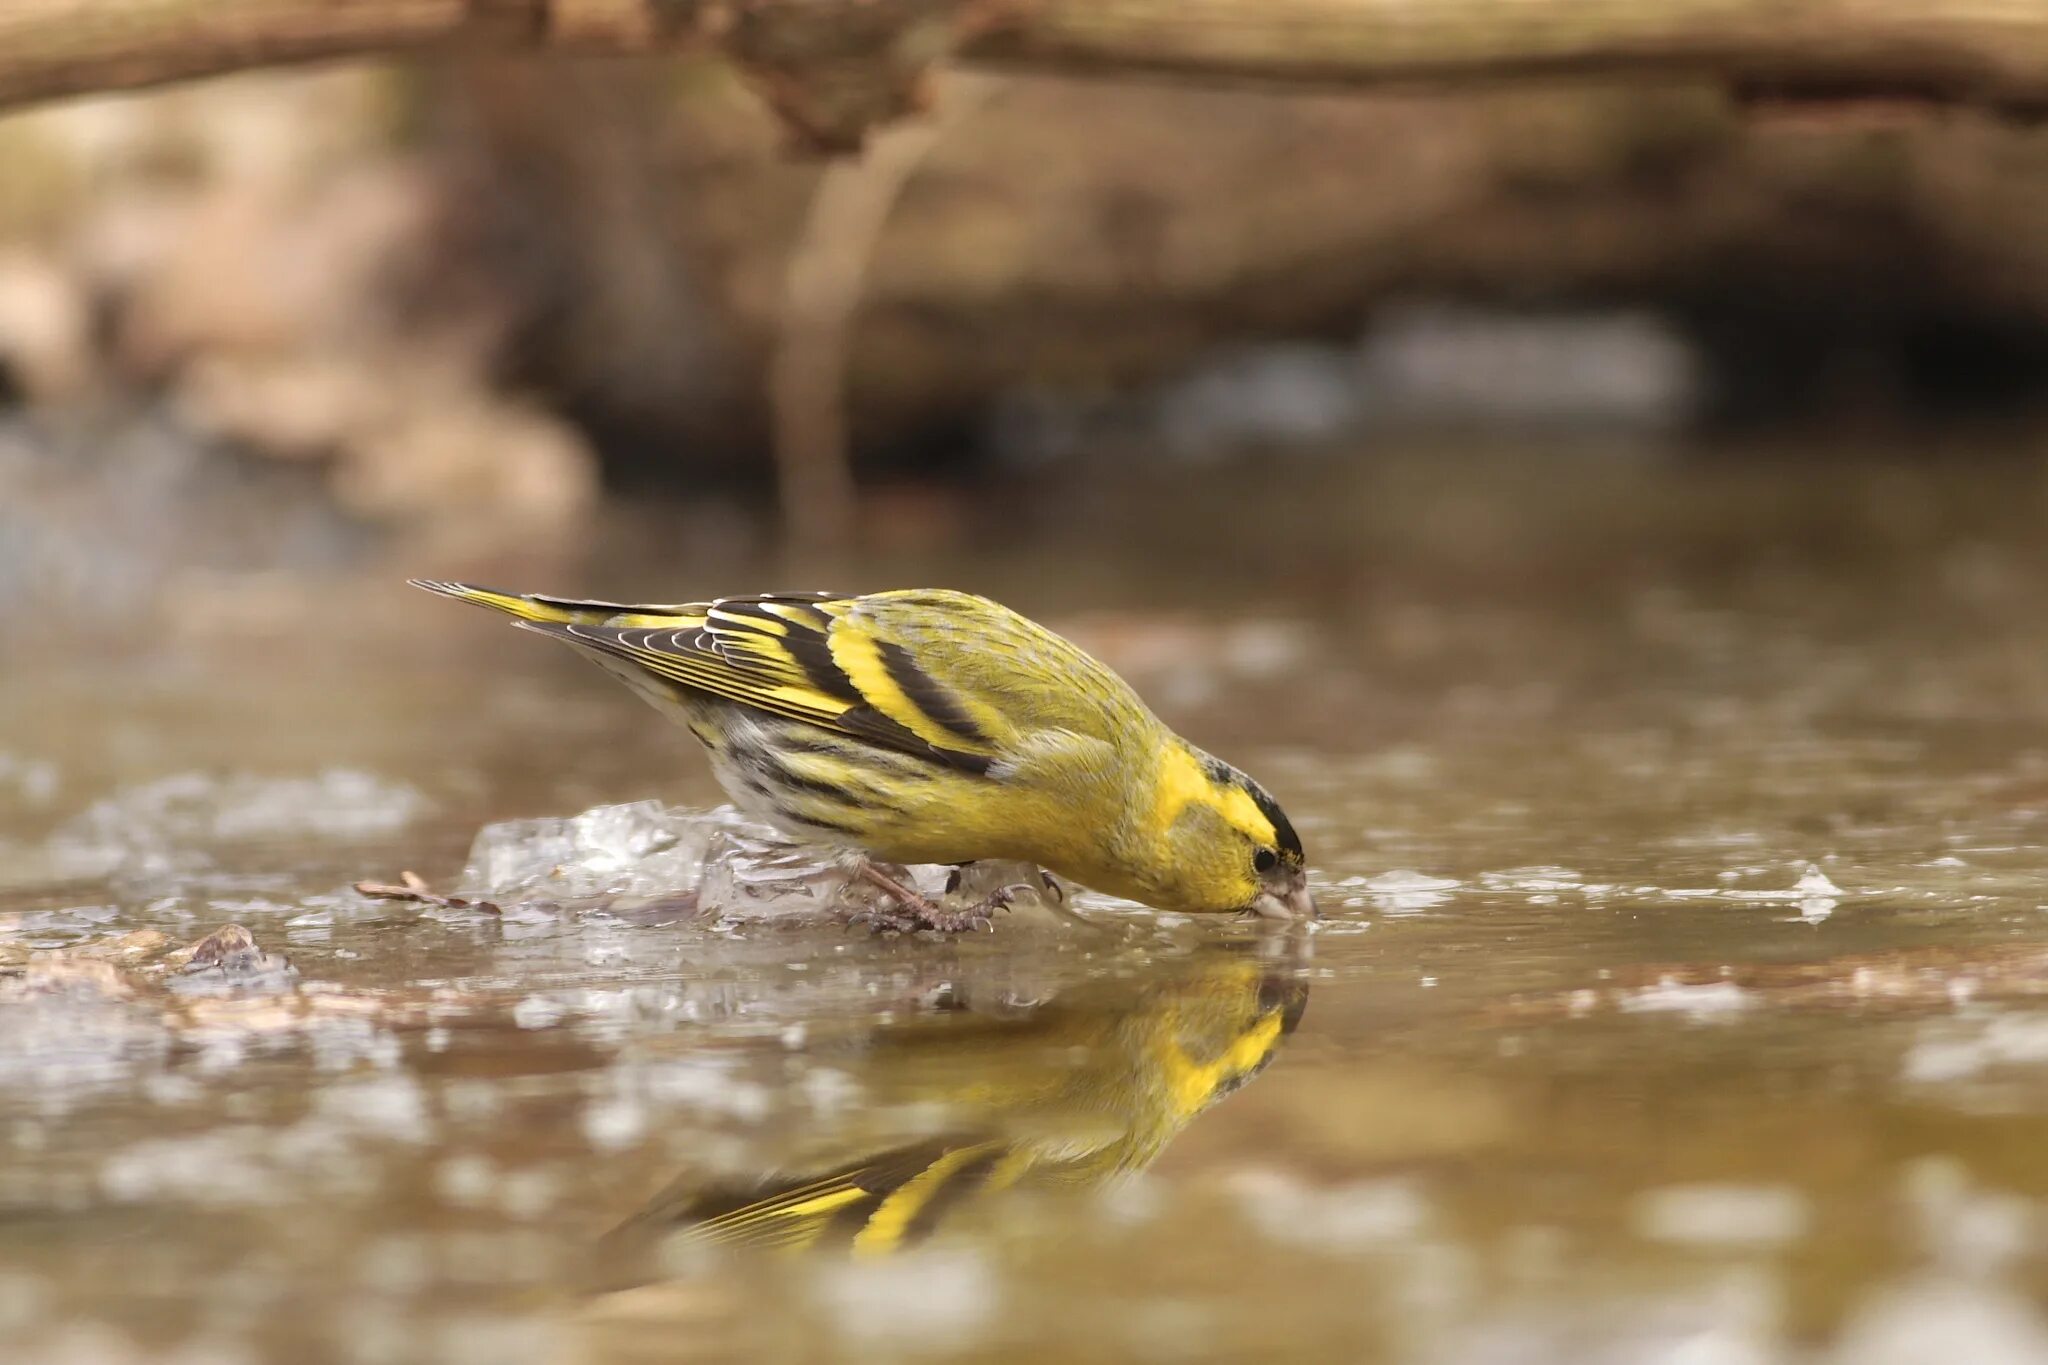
{"x": 1072, "y": 1094}
{"x": 935, "y": 726}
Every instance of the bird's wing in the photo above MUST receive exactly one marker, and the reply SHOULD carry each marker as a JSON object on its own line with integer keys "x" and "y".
{"x": 880, "y": 1203}
{"x": 812, "y": 657}
{"x": 976, "y": 668}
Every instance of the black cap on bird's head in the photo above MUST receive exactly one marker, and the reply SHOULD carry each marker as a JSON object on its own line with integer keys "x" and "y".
{"x": 1278, "y": 862}
{"x": 1286, "y": 842}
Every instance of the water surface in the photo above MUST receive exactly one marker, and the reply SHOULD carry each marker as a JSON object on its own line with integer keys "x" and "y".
{"x": 1683, "y": 994}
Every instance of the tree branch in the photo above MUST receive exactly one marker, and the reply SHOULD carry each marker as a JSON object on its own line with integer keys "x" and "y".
{"x": 1992, "y": 55}
{"x": 835, "y": 67}
{"x": 50, "y": 48}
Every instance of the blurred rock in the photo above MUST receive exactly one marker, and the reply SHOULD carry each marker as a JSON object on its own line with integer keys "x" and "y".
{"x": 1288, "y": 394}
{"x": 1474, "y": 366}
{"x": 449, "y": 293}
{"x": 266, "y": 267}
{"x": 45, "y": 329}
{"x": 225, "y": 960}
{"x": 263, "y": 250}
{"x": 110, "y": 512}
{"x": 1414, "y": 366}
{"x": 1660, "y": 254}
{"x": 293, "y": 406}
{"x": 470, "y": 458}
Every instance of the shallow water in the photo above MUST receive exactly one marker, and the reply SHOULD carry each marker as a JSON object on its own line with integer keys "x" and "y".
{"x": 1683, "y": 994}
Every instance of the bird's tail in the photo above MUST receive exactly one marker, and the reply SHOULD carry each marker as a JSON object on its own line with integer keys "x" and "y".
{"x": 566, "y": 610}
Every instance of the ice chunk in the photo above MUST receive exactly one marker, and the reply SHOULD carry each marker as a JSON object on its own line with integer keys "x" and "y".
{"x": 1934, "y": 1316}
{"x": 1814, "y": 895}
{"x": 1702, "y": 1001}
{"x": 34, "y": 780}
{"x": 1712, "y": 1215}
{"x": 718, "y": 863}
{"x": 1406, "y": 893}
{"x": 753, "y": 875}
{"x": 160, "y": 825}
{"x": 1963, "y": 1050}
{"x": 925, "y": 1301}
{"x": 1814, "y": 882}
{"x": 1814, "y": 909}
{"x": 338, "y": 803}
{"x": 1544, "y": 879}
{"x": 642, "y": 848}
{"x": 1356, "y": 1216}
{"x": 538, "y": 1011}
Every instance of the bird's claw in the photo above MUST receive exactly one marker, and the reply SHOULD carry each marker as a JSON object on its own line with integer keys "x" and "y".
{"x": 902, "y": 919}
{"x": 904, "y": 912}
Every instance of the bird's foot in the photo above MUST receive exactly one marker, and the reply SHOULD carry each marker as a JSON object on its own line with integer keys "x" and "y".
{"x": 905, "y": 910}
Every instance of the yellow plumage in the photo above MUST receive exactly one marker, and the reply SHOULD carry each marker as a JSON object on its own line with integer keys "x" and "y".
{"x": 933, "y": 726}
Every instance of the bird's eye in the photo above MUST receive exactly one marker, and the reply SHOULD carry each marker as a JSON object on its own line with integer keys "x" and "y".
{"x": 1265, "y": 860}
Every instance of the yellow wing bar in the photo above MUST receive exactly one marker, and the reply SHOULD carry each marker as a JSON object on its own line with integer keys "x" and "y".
{"x": 876, "y": 1205}
{"x": 811, "y": 657}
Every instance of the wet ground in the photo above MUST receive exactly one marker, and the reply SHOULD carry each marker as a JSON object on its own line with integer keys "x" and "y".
{"x": 1683, "y": 997}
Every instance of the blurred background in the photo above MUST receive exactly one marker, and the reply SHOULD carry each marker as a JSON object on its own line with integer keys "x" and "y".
{"x": 289, "y": 322}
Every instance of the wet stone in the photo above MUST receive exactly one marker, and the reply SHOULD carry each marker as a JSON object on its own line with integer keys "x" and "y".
{"x": 227, "y": 957}
{"x": 60, "y": 974}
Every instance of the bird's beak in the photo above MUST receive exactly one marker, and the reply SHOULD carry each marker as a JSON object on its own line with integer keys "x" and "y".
{"x": 1296, "y": 903}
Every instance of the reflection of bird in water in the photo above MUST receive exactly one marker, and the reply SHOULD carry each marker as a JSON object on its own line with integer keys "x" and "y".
{"x": 1070, "y": 1094}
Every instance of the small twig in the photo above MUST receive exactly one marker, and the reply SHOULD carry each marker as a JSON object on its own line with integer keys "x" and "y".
{"x": 826, "y": 279}
{"x": 414, "y": 888}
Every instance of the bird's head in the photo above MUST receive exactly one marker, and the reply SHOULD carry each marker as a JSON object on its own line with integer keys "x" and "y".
{"x": 1227, "y": 844}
